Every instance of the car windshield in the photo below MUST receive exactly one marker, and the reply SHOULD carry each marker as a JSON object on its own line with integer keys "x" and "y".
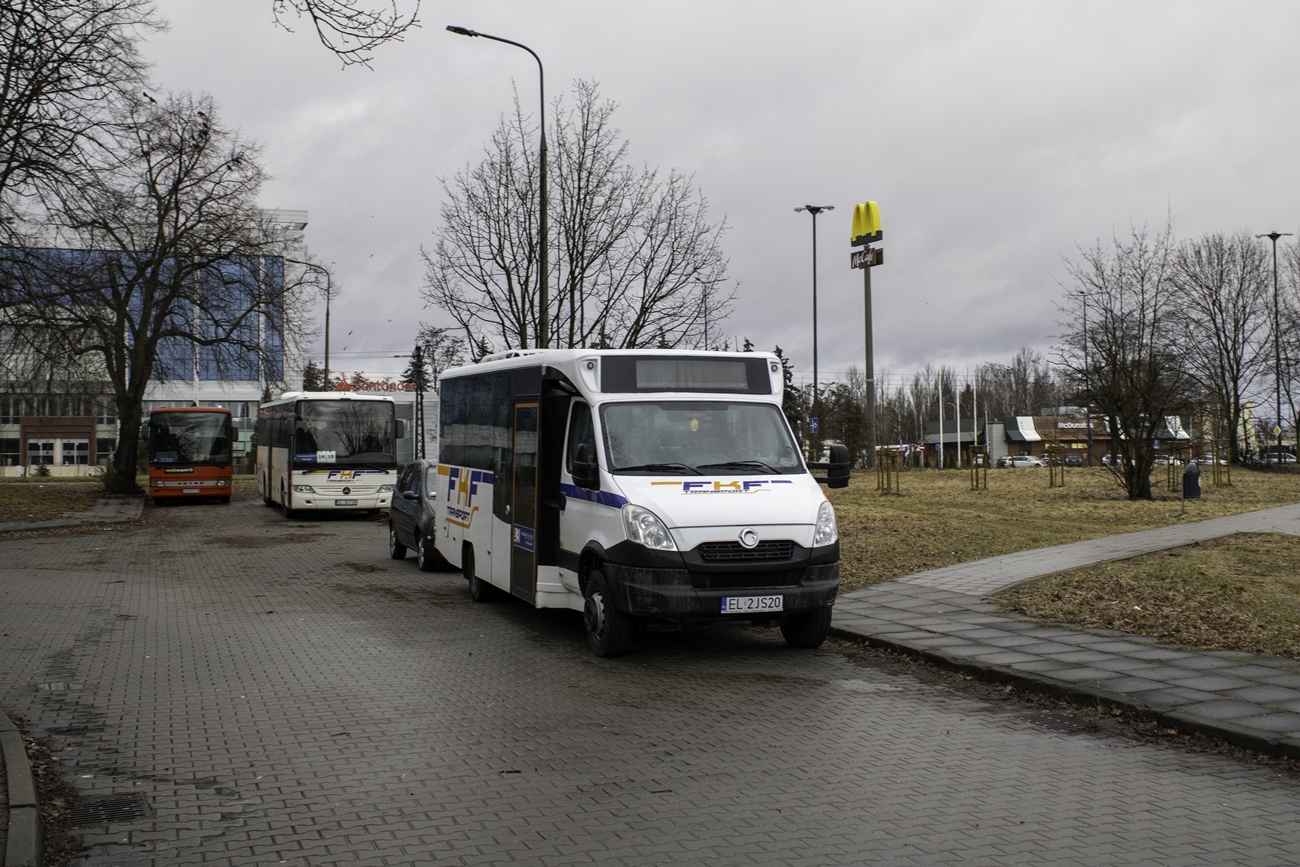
{"x": 698, "y": 437}
{"x": 189, "y": 438}
{"x": 345, "y": 432}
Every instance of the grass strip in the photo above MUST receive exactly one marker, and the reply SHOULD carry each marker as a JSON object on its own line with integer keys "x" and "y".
{"x": 1236, "y": 593}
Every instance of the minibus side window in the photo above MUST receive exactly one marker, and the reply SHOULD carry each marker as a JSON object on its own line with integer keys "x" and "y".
{"x": 580, "y": 431}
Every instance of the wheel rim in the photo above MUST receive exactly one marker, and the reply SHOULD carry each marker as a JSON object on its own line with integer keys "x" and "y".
{"x": 392, "y": 540}
{"x": 593, "y": 614}
{"x": 419, "y": 552}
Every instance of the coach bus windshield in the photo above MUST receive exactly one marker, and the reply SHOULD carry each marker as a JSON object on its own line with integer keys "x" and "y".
{"x": 345, "y": 432}
{"x": 189, "y": 438}
{"x": 698, "y": 437}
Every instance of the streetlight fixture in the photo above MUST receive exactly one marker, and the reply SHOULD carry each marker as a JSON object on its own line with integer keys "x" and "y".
{"x": 1277, "y": 339}
{"x": 544, "y": 319}
{"x": 816, "y": 418}
{"x": 328, "y": 293}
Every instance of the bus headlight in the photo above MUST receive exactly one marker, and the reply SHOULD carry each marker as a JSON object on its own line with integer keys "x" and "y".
{"x": 385, "y": 489}
{"x": 303, "y": 489}
{"x": 644, "y": 527}
{"x": 826, "y": 532}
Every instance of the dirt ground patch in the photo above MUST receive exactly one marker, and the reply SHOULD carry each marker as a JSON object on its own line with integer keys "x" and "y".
{"x": 30, "y": 500}
{"x": 409, "y": 595}
{"x": 938, "y": 520}
{"x": 1237, "y": 593}
{"x": 271, "y": 540}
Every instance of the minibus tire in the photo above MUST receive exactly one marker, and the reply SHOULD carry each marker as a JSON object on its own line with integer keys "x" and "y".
{"x": 807, "y": 631}
{"x": 396, "y": 550}
{"x": 609, "y": 631}
{"x": 479, "y": 590}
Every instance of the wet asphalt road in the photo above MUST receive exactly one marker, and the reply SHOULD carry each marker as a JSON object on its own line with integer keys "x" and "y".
{"x": 282, "y": 692}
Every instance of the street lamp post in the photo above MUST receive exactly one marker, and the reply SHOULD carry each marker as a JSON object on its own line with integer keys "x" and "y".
{"x": 544, "y": 318}
{"x": 1277, "y": 339}
{"x": 328, "y": 292}
{"x": 816, "y": 408}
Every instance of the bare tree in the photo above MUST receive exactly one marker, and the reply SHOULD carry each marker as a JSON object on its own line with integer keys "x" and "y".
{"x": 1133, "y": 374}
{"x": 350, "y": 29}
{"x": 1223, "y": 302}
{"x": 161, "y": 264}
{"x": 442, "y": 349}
{"x": 65, "y": 68}
{"x": 639, "y": 264}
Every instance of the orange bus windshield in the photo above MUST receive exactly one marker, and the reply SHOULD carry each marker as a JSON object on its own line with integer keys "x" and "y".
{"x": 180, "y": 438}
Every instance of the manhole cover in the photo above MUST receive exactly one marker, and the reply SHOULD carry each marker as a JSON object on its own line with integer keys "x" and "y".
{"x": 109, "y": 810}
{"x": 1055, "y": 722}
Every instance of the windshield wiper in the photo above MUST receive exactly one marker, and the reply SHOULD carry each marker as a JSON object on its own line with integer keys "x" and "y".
{"x": 723, "y": 464}
{"x": 658, "y": 468}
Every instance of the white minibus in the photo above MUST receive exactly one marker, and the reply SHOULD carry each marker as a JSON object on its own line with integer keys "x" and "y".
{"x": 645, "y": 488}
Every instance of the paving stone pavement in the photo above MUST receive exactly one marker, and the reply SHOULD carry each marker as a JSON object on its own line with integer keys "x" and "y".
{"x": 1250, "y": 700}
{"x": 282, "y": 692}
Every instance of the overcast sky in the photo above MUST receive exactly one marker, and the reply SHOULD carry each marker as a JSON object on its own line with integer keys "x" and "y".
{"x": 996, "y": 137}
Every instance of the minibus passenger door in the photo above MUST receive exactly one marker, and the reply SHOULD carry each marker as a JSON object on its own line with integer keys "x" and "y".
{"x": 580, "y": 480}
{"x": 523, "y": 504}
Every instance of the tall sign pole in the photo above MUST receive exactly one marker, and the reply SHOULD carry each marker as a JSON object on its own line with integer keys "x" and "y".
{"x": 866, "y": 230}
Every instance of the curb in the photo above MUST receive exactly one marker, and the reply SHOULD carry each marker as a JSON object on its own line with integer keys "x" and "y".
{"x": 25, "y": 846}
{"x": 1239, "y": 736}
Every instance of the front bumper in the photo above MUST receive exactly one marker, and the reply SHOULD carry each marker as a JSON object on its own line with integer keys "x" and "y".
{"x": 690, "y": 590}
{"x": 187, "y": 490}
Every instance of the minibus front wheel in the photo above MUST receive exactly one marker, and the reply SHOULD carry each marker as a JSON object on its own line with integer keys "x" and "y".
{"x": 809, "y": 630}
{"x": 609, "y": 631}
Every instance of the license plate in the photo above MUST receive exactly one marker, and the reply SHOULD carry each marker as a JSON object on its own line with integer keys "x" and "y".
{"x": 345, "y": 502}
{"x": 752, "y": 604}
{"x": 189, "y": 490}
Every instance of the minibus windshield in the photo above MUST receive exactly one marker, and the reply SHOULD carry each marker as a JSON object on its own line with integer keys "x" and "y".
{"x": 698, "y": 437}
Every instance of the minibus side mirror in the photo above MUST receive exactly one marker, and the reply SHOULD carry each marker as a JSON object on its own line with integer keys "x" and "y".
{"x": 586, "y": 474}
{"x": 837, "y": 474}
{"x": 837, "y": 468}
{"x": 401, "y": 428}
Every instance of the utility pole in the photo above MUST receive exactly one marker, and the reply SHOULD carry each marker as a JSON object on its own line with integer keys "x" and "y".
{"x": 1277, "y": 341}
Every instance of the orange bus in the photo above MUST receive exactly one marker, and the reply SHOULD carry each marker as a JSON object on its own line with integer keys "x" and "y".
{"x": 189, "y": 453}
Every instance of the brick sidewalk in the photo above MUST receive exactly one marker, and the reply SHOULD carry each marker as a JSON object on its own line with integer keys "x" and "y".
{"x": 942, "y": 614}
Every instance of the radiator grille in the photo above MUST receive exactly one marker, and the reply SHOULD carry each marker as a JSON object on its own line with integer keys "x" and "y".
{"x": 768, "y": 551}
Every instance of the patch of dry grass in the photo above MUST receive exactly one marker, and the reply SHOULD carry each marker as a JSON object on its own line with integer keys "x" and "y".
{"x": 1235, "y": 593}
{"x": 938, "y": 520}
{"x": 27, "y": 500}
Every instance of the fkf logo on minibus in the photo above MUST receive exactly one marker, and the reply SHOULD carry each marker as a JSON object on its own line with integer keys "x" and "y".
{"x": 746, "y": 487}
{"x": 462, "y": 484}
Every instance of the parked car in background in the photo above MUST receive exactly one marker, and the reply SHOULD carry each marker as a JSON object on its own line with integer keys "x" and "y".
{"x": 411, "y": 519}
{"x": 1003, "y": 462}
{"x": 1016, "y": 461}
{"x": 1073, "y": 460}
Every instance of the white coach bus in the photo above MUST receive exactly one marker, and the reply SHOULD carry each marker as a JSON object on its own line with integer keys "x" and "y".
{"x": 641, "y": 487}
{"x": 327, "y": 451}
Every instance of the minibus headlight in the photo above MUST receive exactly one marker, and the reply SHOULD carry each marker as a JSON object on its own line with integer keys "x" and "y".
{"x": 644, "y": 527}
{"x": 303, "y": 489}
{"x": 385, "y": 489}
{"x": 827, "y": 532}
